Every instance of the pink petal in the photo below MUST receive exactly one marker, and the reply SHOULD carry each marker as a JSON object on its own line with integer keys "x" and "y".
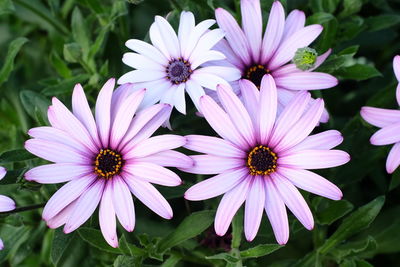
{"x": 150, "y": 197}
{"x": 120, "y": 95}
{"x": 220, "y": 121}
{"x": 123, "y": 203}
{"x": 208, "y": 164}
{"x": 302, "y": 128}
{"x": 321, "y": 141}
{"x": 62, "y": 217}
{"x": 152, "y": 173}
{"x": 268, "y": 107}
{"x": 147, "y": 50}
{"x": 398, "y": 94}
{"x": 288, "y": 47}
{"x": 57, "y": 173}
{"x": 58, "y": 136}
{"x": 231, "y": 57}
{"x": 82, "y": 111}
{"x": 380, "y": 117}
{"x": 306, "y": 81}
{"x": 216, "y": 185}
{"x": 154, "y": 145}
{"x": 237, "y": 113}
{"x": 293, "y": 200}
{"x": 85, "y": 206}
{"x": 250, "y": 95}
{"x": 103, "y": 111}
{"x": 289, "y": 116}
{"x": 273, "y": 32}
{"x": 146, "y": 122}
{"x": 276, "y": 212}
{"x": 294, "y": 22}
{"x": 6, "y": 204}
{"x": 226, "y": 73}
{"x": 311, "y": 182}
{"x": 387, "y": 135}
{"x": 254, "y": 207}
{"x": 234, "y": 34}
{"x": 67, "y": 122}
{"x": 252, "y": 25}
{"x": 314, "y": 159}
{"x": 393, "y": 159}
{"x": 321, "y": 59}
{"x": 123, "y": 117}
{"x": 108, "y": 224}
{"x": 168, "y": 158}
{"x": 65, "y": 195}
{"x": 230, "y": 203}
{"x": 55, "y": 152}
{"x": 213, "y": 146}
{"x": 396, "y": 67}
{"x": 3, "y": 172}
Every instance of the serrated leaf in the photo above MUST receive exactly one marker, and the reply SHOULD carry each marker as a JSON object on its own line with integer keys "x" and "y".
{"x": 191, "y": 226}
{"x": 354, "y": 223}
{"x": 8, "y": 64}
{"x": 259, "y": 251}
{"x": 358, "y": 72}
{"x": 335, "y": 211}
{"x": 223, "y": 256}
{"x": 15, "y": 155}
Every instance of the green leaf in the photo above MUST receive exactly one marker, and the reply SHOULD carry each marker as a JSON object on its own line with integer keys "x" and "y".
{"x": 191, "y": 226}
{"x": 237, "y": 229}
{"x": 15, "y": 155}
{"x": 96, "y": 239}
{"x": 12, "y": 52}
{"x": 354, "y": 223}
{"x": 126, "y": 261}
{"x": 381, "y": 22}
{"x": 350, "y": 7}
{"x": 324, "y": 5}
{"x": 172, "y": 261}
{"x": 223, "y": 256}
{"x": 72, "y": 52}
{"x": 13, "y": 237}
{"x": 259, "y": 251}
{"x": 358, "y": 72}
{"x": 320, "y": 18}
{"x": 6, "y": 7}
{"x": 363, "y": 263}
{"x": 65, "y": 86}
{"x": 60, "y": 245}
{"x": 79, "y": 31}
{"x": 59, "y": 65}
{"x": 35, "y": 104}
{"x": 13, "y": 176}
{"x": 395, "y": 181}
{"x": 335, "y": 211}
{"x": 354, "y": 248}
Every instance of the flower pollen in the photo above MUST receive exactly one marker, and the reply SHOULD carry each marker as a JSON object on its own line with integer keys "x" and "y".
{"x": 107, "y": 163}
{"x": 178, "y": 71}
{"x": 261, "y": 160}
{"x": 255, "y": 73}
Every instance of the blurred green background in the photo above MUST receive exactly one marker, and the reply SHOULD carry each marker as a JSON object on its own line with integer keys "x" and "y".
{"x": 48, "y": 46}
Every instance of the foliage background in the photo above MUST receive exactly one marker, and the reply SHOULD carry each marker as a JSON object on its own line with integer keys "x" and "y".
{"x": 47, "y": 46}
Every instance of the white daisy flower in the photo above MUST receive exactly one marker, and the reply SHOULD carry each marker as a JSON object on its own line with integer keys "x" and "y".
{"x": 173, "y": 63}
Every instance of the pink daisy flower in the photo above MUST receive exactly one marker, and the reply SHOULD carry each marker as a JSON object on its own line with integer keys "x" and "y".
{"x": 172, "y": 65}
{"x": 6, "y": 203}
{"x": 389, "y": 121}
{"x": 284, "y": 40}
{"x": 262, "y": 158}
{"x": 105, "y": 159}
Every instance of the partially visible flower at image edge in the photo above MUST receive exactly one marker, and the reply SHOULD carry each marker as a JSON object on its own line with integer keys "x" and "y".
{"x": 6, "y": 203}
{"x": 105, "y": 159}
{"x": 389, "y": 121}
{"x": 172, "y": 65}
{"x": 262, "y": 158}
{"x": 285, "y": 40}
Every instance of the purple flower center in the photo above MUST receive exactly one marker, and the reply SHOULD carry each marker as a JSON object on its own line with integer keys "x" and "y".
{"x": 107, "y": 163}
{"x": 178, "y": 71}
{"x": 255, "y": 73}
{"x": 261, "y": 160}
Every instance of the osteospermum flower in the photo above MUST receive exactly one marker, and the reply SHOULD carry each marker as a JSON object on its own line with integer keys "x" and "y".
{"x": 282, "y": 52}
{"x": 104, "y": 160}
{"x": 6, "y": 203}
{"x": 172, "y": 65}
{"x": 261, "y": 159}
{"x": 389, "y": 121}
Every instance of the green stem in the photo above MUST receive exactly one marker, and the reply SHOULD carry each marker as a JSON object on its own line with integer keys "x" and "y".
{"x": 26, "y": 208}
{"x": 18, "y": 108}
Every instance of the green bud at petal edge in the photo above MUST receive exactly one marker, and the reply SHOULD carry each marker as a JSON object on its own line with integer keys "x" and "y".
{"x": 305, "y": 58}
